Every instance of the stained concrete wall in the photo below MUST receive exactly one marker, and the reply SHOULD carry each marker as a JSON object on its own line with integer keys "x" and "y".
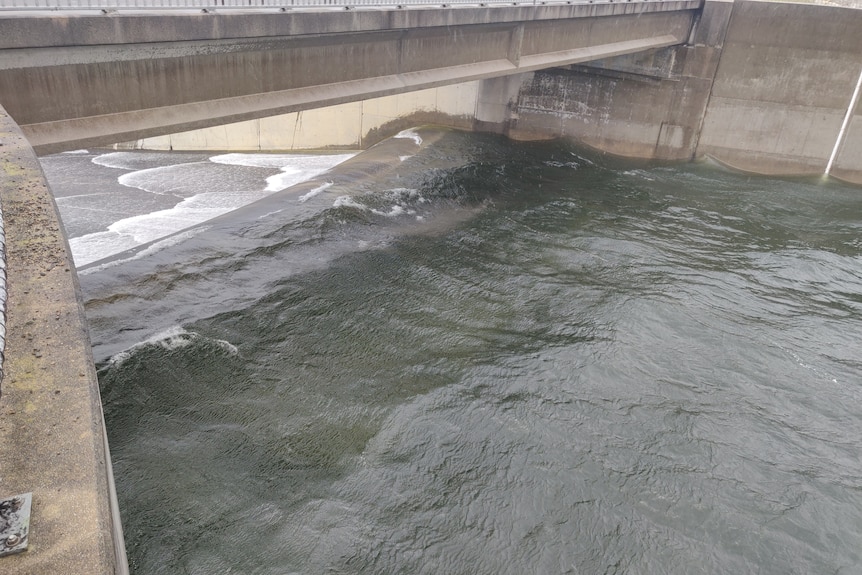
{"x": 354, "y": 125}
{"x": 760, "y": 86}
{"x": 648, "y": 105}
{"x": 92, "y": 79}
{"x": 782, "y": 89}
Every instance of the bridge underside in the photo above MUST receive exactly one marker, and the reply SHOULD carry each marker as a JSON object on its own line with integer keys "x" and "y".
{"x": 91, "y": 80}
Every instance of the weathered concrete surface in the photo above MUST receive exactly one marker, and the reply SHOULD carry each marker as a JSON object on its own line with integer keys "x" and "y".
{"x": 760, "y": 86}
{"x": 127, "y": 77}
{"x": 355, "y": 125}
{"x": 649, "y": 105}
{"x": 782, "y": 88}
{"x": 52, "y": 438}
{"x": 496, "y": 101}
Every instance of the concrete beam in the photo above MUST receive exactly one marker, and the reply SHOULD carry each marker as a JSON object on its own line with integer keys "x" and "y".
{"x": 58, "y": 30}
{"x": 197, "y": 72}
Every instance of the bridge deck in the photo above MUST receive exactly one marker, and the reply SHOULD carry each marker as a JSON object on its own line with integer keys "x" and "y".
{"x": 125, "y": 77}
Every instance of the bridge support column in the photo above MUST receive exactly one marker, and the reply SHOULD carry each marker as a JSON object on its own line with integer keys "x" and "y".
{"x": 496, "y": 102}
{"x": 646, "y": 105}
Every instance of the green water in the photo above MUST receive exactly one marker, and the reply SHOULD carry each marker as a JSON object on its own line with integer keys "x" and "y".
{"x": 496, "y": 358}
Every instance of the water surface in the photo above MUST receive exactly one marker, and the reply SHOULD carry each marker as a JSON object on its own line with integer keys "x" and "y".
{"x": 473, "y": 356}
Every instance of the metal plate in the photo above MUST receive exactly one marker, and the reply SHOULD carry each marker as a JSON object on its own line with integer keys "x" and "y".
{"x": 15, "y": 523}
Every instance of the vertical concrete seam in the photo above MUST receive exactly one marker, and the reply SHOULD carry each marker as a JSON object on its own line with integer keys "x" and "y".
{"x": 360, "y": 126}
{"x": 720, "y": 47}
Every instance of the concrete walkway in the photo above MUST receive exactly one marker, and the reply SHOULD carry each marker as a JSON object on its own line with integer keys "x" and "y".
{"x": 52, "y": 440}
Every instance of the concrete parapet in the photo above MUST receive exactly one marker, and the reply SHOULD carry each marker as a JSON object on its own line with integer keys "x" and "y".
{"x": 52, "y": 440}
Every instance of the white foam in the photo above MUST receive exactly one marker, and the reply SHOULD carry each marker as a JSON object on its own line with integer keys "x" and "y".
{"x": 130, "y": 232}
{"x": 640, "y": 174}
{"x": 115, "y": 160}
{"x": 295, "y": 168}
{"x": 148, "y": 251}
{"x": 77, "y": 152}
{"x": 172, "y": 338}
{"x": 267, "y": 214}
{"x": 410, "y": 134}
{"x": 184, "y": 181}
{"x": 296, "y": 173}
{"x": 288, "y": 177}
{"x": 302, "y": 161}
{"x": 227, "y": 346}
{"x": 394, "y": 211}
{"x": 315, "y": 191}
{"x": 99, "y": 245}
{"x": 148, "y": 180}
{"x": 558, "y": 164}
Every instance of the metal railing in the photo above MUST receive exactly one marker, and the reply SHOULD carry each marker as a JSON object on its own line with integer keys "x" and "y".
{"x": 256, "y": 4}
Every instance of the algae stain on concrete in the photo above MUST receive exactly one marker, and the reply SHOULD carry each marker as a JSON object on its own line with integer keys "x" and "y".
{"x": 13, "y": 169}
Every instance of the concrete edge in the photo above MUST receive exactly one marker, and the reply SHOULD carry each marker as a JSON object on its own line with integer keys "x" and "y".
{"x": 62, "y": 29}
{"x": 52, "y": 434}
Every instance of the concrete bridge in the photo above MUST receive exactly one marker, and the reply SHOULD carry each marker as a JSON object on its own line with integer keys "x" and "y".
{"x": 762, "y": 86}
{"x": 94, "y": 75}
{"x": 87, "y": 78}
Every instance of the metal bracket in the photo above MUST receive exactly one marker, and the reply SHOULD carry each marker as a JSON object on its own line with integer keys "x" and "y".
{"x": 15, "y": 524}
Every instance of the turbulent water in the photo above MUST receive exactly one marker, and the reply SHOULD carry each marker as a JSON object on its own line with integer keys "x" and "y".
{"x": 454, "y": 354}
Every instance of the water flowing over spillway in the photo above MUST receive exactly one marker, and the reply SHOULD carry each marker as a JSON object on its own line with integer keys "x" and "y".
{"x": 457, "y": 354}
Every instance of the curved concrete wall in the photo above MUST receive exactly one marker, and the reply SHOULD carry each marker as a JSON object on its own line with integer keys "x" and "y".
{"x": 52, "y": 439}
{"x": 786, "y": 77}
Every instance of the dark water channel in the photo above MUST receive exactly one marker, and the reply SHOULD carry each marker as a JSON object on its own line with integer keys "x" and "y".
{"x": 484, "y": 357}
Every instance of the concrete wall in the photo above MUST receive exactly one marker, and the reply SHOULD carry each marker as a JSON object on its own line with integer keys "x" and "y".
{"x": 760, "y": 86}
{"x": 52, "y": 438}
{"x": 93, "y": 79}
{"x": 782, "y": 89}
{"x": 647, "y": 105}
{"x": 353, "y": 126}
